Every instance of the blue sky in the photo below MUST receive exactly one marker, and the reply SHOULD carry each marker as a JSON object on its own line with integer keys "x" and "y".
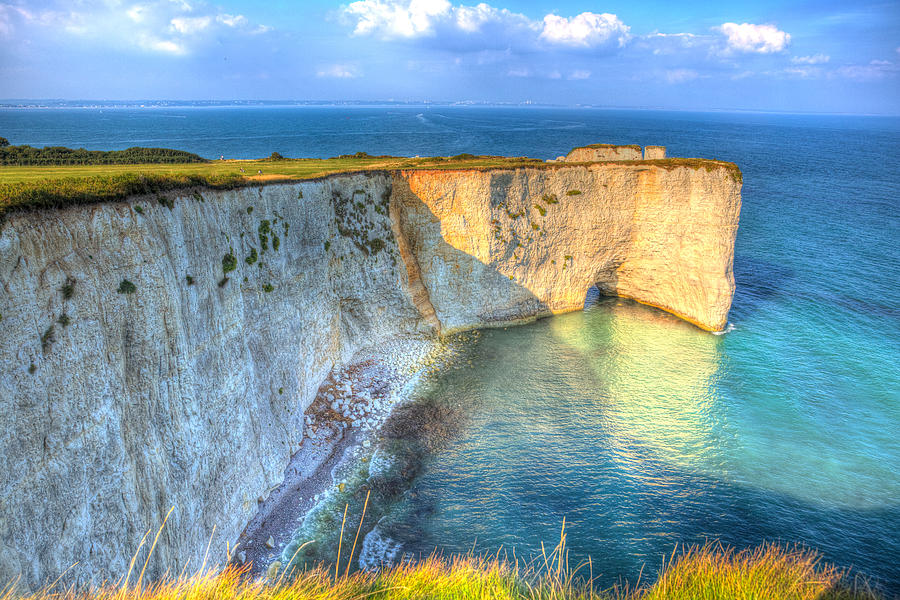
{"x": 806, "y": 56}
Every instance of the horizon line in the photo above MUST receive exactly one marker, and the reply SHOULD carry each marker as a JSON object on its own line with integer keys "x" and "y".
{"x": 56, "y": 103}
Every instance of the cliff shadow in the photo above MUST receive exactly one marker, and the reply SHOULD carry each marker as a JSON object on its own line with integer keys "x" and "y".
{"x": 470, "y": 273}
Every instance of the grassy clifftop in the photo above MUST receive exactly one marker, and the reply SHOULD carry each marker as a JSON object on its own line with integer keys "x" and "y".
{"x": 36, "y": 186}
{"x": 24, "y": 187}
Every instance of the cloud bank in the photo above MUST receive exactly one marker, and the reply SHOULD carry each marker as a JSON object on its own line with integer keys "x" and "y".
{"x": 481, "y": 26}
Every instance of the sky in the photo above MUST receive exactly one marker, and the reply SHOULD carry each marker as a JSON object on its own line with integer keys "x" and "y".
{"x": 771, "y": 55}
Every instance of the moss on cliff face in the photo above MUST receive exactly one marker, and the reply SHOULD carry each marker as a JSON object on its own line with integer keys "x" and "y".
{"x": 369, "y": 233}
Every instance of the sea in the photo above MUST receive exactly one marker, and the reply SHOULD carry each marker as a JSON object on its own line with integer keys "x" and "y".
{"x": 639, "y": 430}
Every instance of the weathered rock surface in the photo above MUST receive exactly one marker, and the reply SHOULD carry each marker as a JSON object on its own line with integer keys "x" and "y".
{"x": 596, "y": 152}
{"x": 654, "y": 152}
{"x": 115, "y": 407}
{"x": 537, "y": 239}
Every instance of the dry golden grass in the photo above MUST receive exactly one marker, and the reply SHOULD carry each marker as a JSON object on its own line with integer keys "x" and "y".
{"x": 709, "y": 572}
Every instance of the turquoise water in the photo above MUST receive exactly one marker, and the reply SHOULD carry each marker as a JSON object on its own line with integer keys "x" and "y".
{"x": 644, "y": 432}
{"x": 637, "y": 428}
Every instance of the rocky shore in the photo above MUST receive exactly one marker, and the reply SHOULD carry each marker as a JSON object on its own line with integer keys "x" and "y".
{"x": 343, "y": 451}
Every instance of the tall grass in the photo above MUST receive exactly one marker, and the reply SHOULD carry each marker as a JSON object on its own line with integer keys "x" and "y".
{"x": 708, "y": 572}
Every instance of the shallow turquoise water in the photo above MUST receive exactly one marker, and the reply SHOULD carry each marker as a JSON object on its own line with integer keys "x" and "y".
{"x": 643, "y": 432}
{"x": 639, "y": 429}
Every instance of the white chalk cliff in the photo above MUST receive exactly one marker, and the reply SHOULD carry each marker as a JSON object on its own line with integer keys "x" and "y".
{"x": 190, "y": 390}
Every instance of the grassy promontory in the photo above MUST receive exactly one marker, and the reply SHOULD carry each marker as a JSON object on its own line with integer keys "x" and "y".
{"x": 48, "y": 186}
{"x": 700, "y": 573}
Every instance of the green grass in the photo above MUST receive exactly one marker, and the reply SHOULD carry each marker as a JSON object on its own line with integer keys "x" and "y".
{"x": 29, "y": 187}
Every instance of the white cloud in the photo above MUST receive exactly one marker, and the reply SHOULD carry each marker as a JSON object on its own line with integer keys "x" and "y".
{"x": 337, "y": 72}
{"x": 518, "y": 73}
{"x": 874, "y": 71}
{"x": 761, "y": 39}
{"x": 164, "y": 46}
{"x": 171, "y": 27}
{"x": 233, "y": 20}
{"x": 816, "y": 59}
{"x": 473, "y": 28}
{"x": 190, "y": 25}
{"x": 473, "y": 19}
{"x": 580, "y": 74}
{"x": 396, "y": 18}
{"x": 137, "y": 13}
{"x": 681, "y": 75}
{"x": 585, "y": 30}
{"x": 803, "y": 72}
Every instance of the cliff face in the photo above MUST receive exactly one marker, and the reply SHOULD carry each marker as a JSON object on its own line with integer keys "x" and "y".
{"x": 537, "y": 239}
{"x": 190, "y": 391}
{"x": 596, "y": 152}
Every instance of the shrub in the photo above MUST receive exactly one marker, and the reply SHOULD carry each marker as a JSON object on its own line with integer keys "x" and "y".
{"x": 276, "y": 156}
{"x": 126, "y": 287}
{"x": 68, "y": 289}
{"x": 541, "y": 210}
{"x": 139, "y": 209}
{"x": 265, "y": 227}
{"x": 64, "y": 320}
{"x": 189, "y": 279}
{"x": 47, "y": 339}
{"x": 229, "y": 262}
{"x": 268, "y": 288}
{"x": 252, "y": 257}
{"x": 573, "y": 192}
{"x": 60, "y": 155}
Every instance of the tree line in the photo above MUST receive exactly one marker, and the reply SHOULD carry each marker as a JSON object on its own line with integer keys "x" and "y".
{"x": 60, "y": 155}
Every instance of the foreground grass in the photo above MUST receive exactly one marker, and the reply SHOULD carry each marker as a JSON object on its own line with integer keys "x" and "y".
{"x": 700, "y": 573}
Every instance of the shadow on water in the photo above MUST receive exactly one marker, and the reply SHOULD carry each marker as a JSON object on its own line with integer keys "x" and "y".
{"x": 702, "y": 509}
{"x": 757, "y": 284}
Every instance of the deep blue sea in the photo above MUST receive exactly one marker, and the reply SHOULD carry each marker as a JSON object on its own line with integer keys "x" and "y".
{"x": 639, "y": 429}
